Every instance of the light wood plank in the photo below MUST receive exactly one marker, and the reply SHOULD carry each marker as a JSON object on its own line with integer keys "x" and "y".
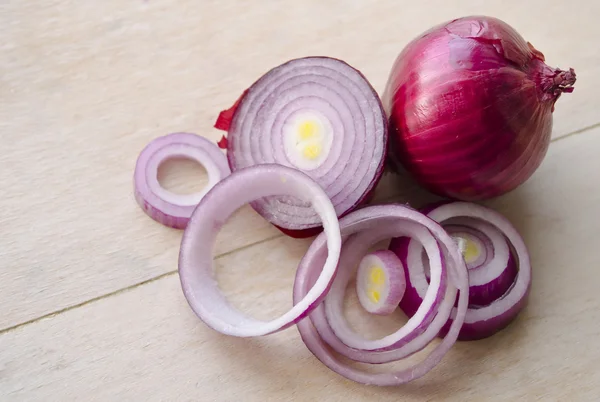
{"x": 85, "y": 85}
{"x": 145, "y": 344}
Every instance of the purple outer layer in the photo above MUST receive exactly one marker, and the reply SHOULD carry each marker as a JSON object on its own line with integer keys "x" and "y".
{"x": 294, "y": 226}
{"x": 482, "y": 295}
{"x": 361, "y": 220}
{"x": 494, "y": 128}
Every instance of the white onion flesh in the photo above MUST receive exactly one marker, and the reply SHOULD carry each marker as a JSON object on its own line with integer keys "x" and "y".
{"x": 380, "y": 282}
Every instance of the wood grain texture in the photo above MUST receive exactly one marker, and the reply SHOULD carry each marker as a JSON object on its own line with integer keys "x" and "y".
{"x": 145, "y": 343}
{"x": 84, "y": 85}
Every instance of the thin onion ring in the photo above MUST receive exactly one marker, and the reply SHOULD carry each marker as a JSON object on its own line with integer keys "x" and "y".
{"x": 480, "y": 321}
{"x": 457, "y": 275}
{"x": 170, "y": 209}
{"x": 195, "y": 259}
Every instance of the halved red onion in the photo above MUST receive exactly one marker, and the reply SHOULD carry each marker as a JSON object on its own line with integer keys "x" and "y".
{"x": 375, "y": 223}
{"x": 380, "y": 282}
{"x": 318, "y": 115}
{"x": 170, "y": 209}
{"x": 196, "y": 262}
{"x": 499, "y": 285}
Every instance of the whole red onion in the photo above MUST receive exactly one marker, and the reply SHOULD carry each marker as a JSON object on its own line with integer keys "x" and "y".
{"x": 470, "y": 105}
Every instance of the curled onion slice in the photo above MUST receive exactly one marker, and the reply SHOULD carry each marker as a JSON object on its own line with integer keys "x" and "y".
{"x": 195, "y": 259}
{"x": 318, "y": 115}
{"x": 380, "y": 282}
{"x": 361, "y": 225}
{"x": 499, "y": 281}
{"x": 170, "y": 209}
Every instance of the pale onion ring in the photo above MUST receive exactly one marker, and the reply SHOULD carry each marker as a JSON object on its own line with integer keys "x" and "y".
{"x": 347, "y": 266}
{"x": 195, "y": 259}
{"x": 370, "y": 219}
{"x": 170, "y": 209}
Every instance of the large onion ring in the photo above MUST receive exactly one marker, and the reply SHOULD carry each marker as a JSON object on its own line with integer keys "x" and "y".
{"x": 170, "y": 209}
{"x": 370, "y": 219}
{"x": 195, "y": 259}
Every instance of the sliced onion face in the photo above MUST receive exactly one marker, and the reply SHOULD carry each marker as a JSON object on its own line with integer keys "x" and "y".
{"x": 170, "y": 209}
{"x": 368, "y": 224}
{"x": 318, "y": 115}
{"x": 195, "y": 259}
{"x": 380, "y": 282}
{"x": 499, "y": 281}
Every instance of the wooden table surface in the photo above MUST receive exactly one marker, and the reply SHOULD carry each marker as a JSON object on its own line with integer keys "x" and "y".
{"x": 90, "y": 302}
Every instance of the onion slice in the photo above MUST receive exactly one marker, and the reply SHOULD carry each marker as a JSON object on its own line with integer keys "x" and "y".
{"x": 318, "y": 115}
{"x": 380, "y": 282}
{"x": 318, "y": 335}
{"x": 195, "y": 259}
{"x": 497, "y": 261}
{"x": 170, "y": 209}
{"x": 427, "y": 309}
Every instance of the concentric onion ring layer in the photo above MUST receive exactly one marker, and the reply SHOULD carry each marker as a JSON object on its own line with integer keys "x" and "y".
{"x": 341, "y": 134}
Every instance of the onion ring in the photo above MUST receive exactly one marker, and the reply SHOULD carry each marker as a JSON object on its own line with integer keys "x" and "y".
{"x": 427, "y": 309}
{"x": 196, "y": 264}
{"x": 499, "y": 290}
{"x": 170, "y": 209}
{"x": 370, "y": 219}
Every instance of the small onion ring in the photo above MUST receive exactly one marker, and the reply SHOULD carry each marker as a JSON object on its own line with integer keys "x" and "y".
{"x": 481, "y": 321}
{"x": 170, "y": 209}
{"x": 195, "y": 258}
{"x": 347, "y": 124}
{"x": 370, "y": 219}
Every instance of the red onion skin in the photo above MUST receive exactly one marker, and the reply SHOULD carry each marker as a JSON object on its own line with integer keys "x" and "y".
{"x": 470, "y": 105}
{"x": 226, "y": 117}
